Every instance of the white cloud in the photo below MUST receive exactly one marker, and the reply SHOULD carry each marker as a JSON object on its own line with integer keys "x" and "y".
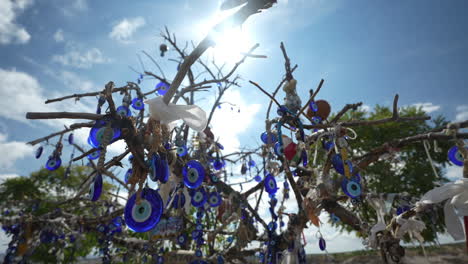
{"x": 75, "y": 82}
{"x": 462, "y": 113}
{"x": 11, "y": 151}
{"x": 80, "y": 4}
{"x": 125, "y": 29}
{"x": 74, "y": 6}
{"x": 10, "y": 32}
{"x": 365, "y": 108}
{"x": 7, "y": 176}
{"x": 79, "y": 58}
{"x": 228, "y": 124}
{"x": 58, "y": 36}
{"x": 427, "y": 107}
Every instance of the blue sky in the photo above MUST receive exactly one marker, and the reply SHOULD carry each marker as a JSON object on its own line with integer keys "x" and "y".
{"x": 365, "y": 50}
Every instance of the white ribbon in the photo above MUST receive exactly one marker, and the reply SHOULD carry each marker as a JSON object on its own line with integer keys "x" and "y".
{"x": 382, "y": 206}
{"x": 456, "y": 194}
{"x": 412, "y": 226}
{"x": 192, "y": 115}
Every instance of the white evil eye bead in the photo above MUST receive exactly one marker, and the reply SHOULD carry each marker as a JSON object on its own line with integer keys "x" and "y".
{"x": 95, "y": 189}
{"x": 123, "y": 111}
{"x": 193, "y": 173}
{"x": 199, "y": 198}
{"x": 144, "y": 216}
{"x": 138, "y": 104}
{"x": 39, "y": 151}
{"x": 53, "y": 163}
{"x": 214, "y": 199}
{"x": 94, "y": 155}
{"x": 270, "y": 184}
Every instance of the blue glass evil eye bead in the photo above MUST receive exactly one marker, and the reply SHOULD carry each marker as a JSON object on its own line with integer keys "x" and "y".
{"x": 218, "y": 164}
{"x": 313, "y": 106}
{"x": 145, "y": 215}
{"x": 193, "y": 173}
{"x": 96, "y": 133}
{"x": 270, "y": 184}
{"x": 70, "y": 139}
{"x": 316, "y": 120}
{"x": 137, "y": 104}
{"x": 268, "y": 138}
{"x": 162, "y": 87}
{"x": 252, "y": 163}
{"x": 351, "y": 188}
{"x": 282, "y": 110}
{"x": 455, "y": 156}
{"x": 182, "y": 151}
{"x": 220, "y": 259}
{"x": 199, "y": 197}
{"x": 179, "y": 201}
{"x": 322, "y": 244}
{"x": 94, "y": 155}
{"x": 279, "y": 150}
{"x": 214, "y": 199}
{"x": 258, "y": 178}
{"x": 337, "y": 163}
{"x": 123, "y": 111}
{"x": 53, "y": 163}
{"x": 182, "y": 239}
{"x": 39, "y": 151}
{"x": 95, "y": 189}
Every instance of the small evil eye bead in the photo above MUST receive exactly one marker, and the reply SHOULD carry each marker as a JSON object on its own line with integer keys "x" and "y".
{"x": 313, "y": 106}
{"x": 258, "y": 178}
{"x": 214, "y": 178}
{"x": 351, "y": 188}
{"x": 95, "y": 189}
{"x": 272, "y": 226}
{"x": 123, "y": 111}
{"x": 161, "y": 88}
{"x": 221, "y": 147}
{"x": 70, "y": 139}
{"x": 218, "y": 164}
{"x": 94, "y": 155}
{"x": 137, "y": 104}
{"x": 199, "y": 198}
{"x": 53, "y": 163}
{"x": 196, "y": 234}
{"x": 39, "y": 151}
{"x": 268, "y": 138}
{"x": 279, "y": 150}
{"x": 198, "y": 253}
{"x": 252, "y": 163}
{"x": 182, "y": 151}
{"x": 182, "y": 239}
{"x": 322, "y": 244}
{"x": 230, "y": 239}
{"x": 282, "y": 110}
{"x": 270, "y": 184}
{"x": 455, "y": 156}
{"x": 199, "y": 227}
{"x": 220, "y": 259}
{"x": 316, "y": 120}
{"x": 128, "y": 175}
{"x": 193, "y": 173}
{"x": 214, "y": 199}
{"x": 334, "y": 218}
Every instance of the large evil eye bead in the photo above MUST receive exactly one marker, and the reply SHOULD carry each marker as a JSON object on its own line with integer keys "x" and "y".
{"x": 279, "y": 150}
{"x": 182, "y": 239}
{"x": 193, "y": 173}
{"x": 313, "y": 106}
{"x": 123, "y": 111}
{"x": 53, "y": 163}
{"x": 214, "y": 199}
{"x": 351, "y": 188}
{"x": 95, "y": 189}
{"x": 337, "y": 163}
{"x": 128, "y": 175}
{"x": 94, "y": 155}
{"x": 39, "y": 151}
{"x": 270, "y": 184}
{"x": 268, "y": 138}
{"x": 138, "y": 104}
{"x": 182, "y": 151}
{"x": 162, "y": 88}
{"x": 455, "y": 156}
{"x": 322, "y": 244}
{"x": 70, "y": 139}
{"x": 145, "y": 215}
{"x": 199, "y": 198}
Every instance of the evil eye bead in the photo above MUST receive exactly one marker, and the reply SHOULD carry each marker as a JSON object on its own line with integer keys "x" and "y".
{"x": 96, "y": 133}
{"x": 199, "y": 198}
{"x": 402, "y": 209}
{"x": 268, "y": 138}
{"x": 334, "y": 218}
{"x": 179, "y": 201}
{"x": 252, "y": 163}
{"x": 316, "y": 120}
{"x": 198, "y": 253}
{"x": 327, "y": 145}
{"x": 128, "y": 175}
{"x": 272, "y": 226}
{"x": 220, "y": 259}
{"x": 282, "y": 110}
{"x": 214, "y": 178}
{"x": 221, "y": 147}
{"x": 455, "y": 156}
{"x": 313, "y": 106}
{"x": 258, "y": 178}
{"x": 94, "y": 155}
{"x": 53, "y": 163}
{"x": 218, "y": 164}
{"x": 95, "y": 189}
{"x": 304, "y": 157}
{"x": 123, "y": 111}
{"x": 138, "y": 104}
{"x": 70, "y": 139}
{"x": 145, "y": 215}
{"x": 337, "y": 163}
{"x": 214, "y": 199}
{"x": 193, "y": 173}
{"x": 161, "y": 88}
{"x": 279, "y": 150}
{"x": 351, "y": 188}
{"x": 270, "y": 184}
{"x": 182, "y": 239}
{"x": 322, "y": 244}
{"x": 182, "y": 151}
{"x": 39, "y": 151}
{"x": 163, "y": 169}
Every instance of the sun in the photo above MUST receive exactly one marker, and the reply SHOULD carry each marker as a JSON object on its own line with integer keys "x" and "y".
{"x": 230, "y": 42}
